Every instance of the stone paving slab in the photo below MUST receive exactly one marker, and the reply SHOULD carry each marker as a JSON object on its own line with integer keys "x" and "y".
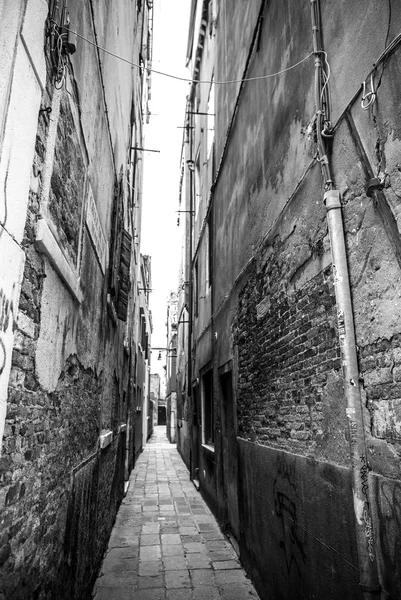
{"x": 166, "y": 544}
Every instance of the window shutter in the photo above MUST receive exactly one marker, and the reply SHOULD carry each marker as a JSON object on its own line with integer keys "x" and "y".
{"x": 124, "y": 275}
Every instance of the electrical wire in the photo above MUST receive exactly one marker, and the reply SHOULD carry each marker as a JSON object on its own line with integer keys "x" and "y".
{"x": 134, "y": 189}
{"x": 326, "y": 76}
{"x": 130, "y": 62}
{"x": 386, "y": 52}
{"x": 3, "y": 225}
{"x": 58, "y": 58}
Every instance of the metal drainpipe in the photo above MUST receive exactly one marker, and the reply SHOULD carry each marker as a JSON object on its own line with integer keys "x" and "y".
{"x": 190, "y": 284}
{"x": 359, "y": 463}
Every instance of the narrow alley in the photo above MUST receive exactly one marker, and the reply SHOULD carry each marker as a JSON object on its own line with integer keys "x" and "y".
{"x": 200, "y": 283}
{"x": 166, "y": 544}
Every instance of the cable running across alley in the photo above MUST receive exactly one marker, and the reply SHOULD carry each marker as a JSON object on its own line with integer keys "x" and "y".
{"x": 133, "y": 64}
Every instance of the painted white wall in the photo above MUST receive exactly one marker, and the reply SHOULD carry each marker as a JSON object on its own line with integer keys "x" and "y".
{"x": 21, "y": 85}
{"x": 57, "y": 338}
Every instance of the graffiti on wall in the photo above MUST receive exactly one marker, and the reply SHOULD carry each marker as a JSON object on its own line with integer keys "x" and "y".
{"x": 292, "y": 538}
{"x": 6, "y": 318}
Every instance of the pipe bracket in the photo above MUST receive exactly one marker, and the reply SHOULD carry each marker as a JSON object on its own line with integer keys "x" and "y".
{"x": 373, "y": 185}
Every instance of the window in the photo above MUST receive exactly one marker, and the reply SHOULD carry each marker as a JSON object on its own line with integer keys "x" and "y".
{"x": 195, "y": 291}
{"x": 210, "y": 121}
{"x": 124, "y": 275}
{"x": 198, "y": 193}
{"x": 120, "y": 257}
{"x": 207, "y": 409}
{"x": 209, "y": 249}
{"x": 210, "y": 16}
{"x": 143, "y": 335}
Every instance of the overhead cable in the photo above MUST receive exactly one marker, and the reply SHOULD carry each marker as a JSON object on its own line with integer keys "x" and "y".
{"x": 133, "y": 64}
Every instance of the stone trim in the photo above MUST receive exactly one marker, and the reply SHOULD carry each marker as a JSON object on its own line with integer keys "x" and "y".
{"x": 105, "y": 439}
{"x": 47, "y": 243}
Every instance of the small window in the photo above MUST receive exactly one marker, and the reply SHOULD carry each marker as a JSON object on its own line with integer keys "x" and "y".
{"x": 210, "y": 121}
{"x": 210, "y": 16}
{"x": 196, "y": 289}
{"x": 209, "y": 249}
{"x": 198, "y": 192}
{"x": 208, "y": 409}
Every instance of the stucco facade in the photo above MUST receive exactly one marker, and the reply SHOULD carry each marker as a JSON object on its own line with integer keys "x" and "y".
{"x": 144, "y": 417}
{"x": 71, "y": 118}
{"x": 269, "y": 422}
{"x": 171, "y": 367}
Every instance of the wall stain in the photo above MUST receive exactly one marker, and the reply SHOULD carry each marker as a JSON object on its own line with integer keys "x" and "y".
{"x": 388, "y": 502}
{"x": 292, "y": 543}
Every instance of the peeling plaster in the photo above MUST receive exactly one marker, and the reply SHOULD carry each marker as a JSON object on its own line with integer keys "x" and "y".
{"x": 57, "y": 337}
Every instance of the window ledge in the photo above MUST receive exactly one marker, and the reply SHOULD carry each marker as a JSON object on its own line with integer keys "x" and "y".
{"x": 105, "y": 439}
{"x": 47, "y": 243}
{"x": 208, "y": 448}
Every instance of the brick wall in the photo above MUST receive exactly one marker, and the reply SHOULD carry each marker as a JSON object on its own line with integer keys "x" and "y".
{"x": 381, "y": 369}
{"x": 58, "y": 492}
{"x": 287, "y": 346}
{"x": 67, "y": 182}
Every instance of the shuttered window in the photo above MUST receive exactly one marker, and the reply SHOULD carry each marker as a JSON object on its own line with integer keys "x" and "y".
{"x": 121, "y": 249}
{"x": 208, "y": 408}
{"x": 124, "y": 276}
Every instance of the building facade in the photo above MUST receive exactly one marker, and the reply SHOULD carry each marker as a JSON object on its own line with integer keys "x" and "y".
{"x": 71, "y": 124}
{"x": 288, "y": 392}
{"x": 171, "y": 367}
{"x": 144, "y": 418}
{"x": 155, "y": 394}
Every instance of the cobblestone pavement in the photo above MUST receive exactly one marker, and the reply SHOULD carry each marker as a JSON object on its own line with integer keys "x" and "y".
{"x": 166, "y": 544}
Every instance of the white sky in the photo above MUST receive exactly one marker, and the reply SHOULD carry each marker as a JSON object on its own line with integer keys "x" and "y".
{"x": 161, "y": 238}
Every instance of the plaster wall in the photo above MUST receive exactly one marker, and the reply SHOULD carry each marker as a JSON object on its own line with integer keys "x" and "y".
{"x": 267, "y": 153}
{"x": 24, "y": 69}
{"x": 287, "y": 542}
{"x": 274, "y": 307}
{"x": 57, "y": 340}
{"x": 64, "y": 355}
{"x": 11, "y": 15}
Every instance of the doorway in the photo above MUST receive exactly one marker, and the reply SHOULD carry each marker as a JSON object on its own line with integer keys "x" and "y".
{"x": 161, "y": 415}
{"x": 194, "y": 461}
{"x": 230, "y": 450}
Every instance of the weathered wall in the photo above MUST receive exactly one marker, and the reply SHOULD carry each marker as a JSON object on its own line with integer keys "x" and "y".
{"x": 273, "y": 308}
{"x": 288, "y": 544}
{"x": 23, "y": 69}
{"x": 71, "y": 361}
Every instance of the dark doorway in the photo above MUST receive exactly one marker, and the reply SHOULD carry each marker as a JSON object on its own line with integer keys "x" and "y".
{"x": 195, "y": 435}
{"x": 161, "y": 415}
{"x": 230, "y": 451}
{"x": 138, "y": 424}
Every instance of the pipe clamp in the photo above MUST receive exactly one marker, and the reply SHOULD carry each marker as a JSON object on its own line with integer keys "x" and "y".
{"x": 373, "y": 185}
{"x": 332, "y": 199}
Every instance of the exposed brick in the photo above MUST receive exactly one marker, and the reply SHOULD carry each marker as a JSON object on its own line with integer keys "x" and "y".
{"x": 397, "y": 373}
{"x": 22, "y": 361}
{"x": 283, "y": 367}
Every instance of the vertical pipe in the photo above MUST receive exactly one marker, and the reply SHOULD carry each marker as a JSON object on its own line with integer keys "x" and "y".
{"x": 359, "y": 463}
{"x": 190, "y": 286}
